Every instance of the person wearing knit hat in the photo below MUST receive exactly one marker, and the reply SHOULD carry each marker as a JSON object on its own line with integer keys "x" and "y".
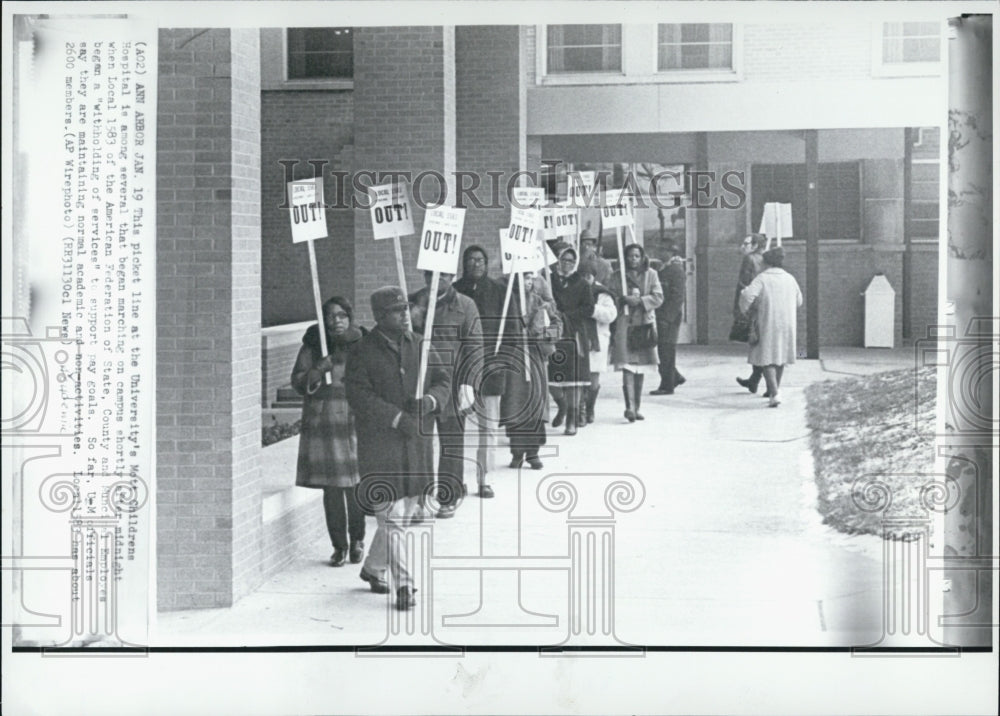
{"x": 395, "y": 433}
{"x": 590, "y": 258}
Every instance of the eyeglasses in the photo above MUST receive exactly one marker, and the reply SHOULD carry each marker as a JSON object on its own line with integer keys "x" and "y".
{"x": 476, "y": 260}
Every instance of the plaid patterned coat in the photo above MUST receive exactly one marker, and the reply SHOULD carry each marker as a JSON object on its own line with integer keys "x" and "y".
{"x": 328, "y": 452}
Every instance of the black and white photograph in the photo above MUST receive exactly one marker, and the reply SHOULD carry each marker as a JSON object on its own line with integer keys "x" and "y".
{"x": 499, "y": 357}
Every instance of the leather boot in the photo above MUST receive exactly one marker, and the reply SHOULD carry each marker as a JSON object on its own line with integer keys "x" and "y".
{"x": 571, "y": 412}
{"x": 638, "y": 396}
{"x": 560, "y": 398}
{"x": 591, "y": 402}
{"x": 627, "y": 392}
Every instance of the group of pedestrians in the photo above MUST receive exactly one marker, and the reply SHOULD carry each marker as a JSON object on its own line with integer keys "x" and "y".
{"x": 367, "y": 437}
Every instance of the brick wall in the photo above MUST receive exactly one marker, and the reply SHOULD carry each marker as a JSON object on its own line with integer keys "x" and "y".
{"x": 398, "y": 83}
{"x": 924, "y": 289}
{"x": 804, "y": 52}
{"x": 303, "y": 126}
{"x": 208, "y": 315}
{"x": 487, "y": 125}
{"x": 246, "y": 309}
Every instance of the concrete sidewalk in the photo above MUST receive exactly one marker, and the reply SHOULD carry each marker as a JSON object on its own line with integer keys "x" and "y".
{"x": 726, "y": 548}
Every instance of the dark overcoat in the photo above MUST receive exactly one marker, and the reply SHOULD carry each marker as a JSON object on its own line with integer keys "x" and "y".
{"x": 379, "y": 378}
{"x": 328, "y": 455}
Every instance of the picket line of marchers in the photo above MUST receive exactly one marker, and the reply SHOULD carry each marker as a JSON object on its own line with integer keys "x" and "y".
{"x": 523, "y": 244}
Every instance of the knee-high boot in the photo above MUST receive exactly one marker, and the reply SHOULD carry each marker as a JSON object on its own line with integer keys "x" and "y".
{"x": 628, "y": 390}
{"x": 638, "y": 396}
{"x": 591, "y": 402}
{"x": 560, "y": 398}
{"x": 572, "y": 409}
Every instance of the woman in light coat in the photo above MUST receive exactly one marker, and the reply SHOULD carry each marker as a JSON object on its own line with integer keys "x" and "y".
{"x": 643, "y": 296}
{"x": 776, "y": 297}
{"x": 599, "y": 330}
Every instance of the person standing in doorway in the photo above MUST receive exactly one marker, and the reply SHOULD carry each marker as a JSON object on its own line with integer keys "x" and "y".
{"x": 668, "y": 321}
{"x": 752, "y": 264}
{"x": 395, "y": 435}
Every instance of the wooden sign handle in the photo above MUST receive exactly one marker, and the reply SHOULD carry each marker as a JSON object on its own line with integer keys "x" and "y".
{"x": 506, "y": 303}
{"x": 327, "y": 378}
{"x": 425, "y": 347}
{"x": 401, "y": 277}
{"x": 527, "y": 358}
{"x": 621, "y": 266}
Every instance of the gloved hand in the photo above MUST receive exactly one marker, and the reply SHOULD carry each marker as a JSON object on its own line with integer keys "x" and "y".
{"x": 466, "y": 398}
{"x": 408, "y": 425}
{"x": 421, "y": 406}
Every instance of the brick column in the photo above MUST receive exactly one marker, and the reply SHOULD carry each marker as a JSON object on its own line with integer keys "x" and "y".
{"x": 488, "y": 124}
{"x": 209, "y": 533}
{"x": 401, "y": 118}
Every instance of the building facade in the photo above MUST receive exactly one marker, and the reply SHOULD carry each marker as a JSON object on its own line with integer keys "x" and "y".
{"x": 241, "y": 112}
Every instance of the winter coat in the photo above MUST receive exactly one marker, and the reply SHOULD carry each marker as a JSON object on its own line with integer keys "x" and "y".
{"x": 600, "y": 267}
{"x": 751, "y": 265}
{"x": 672, "y": 279}
{"x": 378, "y": 380}
{"x": 570, "y": 364}
{"x": 776, "y": 296}
{"x": 647, "y": 283}
{"x": 457, "y": 336}
{"x": 605, "y": 313}
{"x": 328, "y": 454}
{"x": 524, "y": 402}
{"x": 488, "y": 294}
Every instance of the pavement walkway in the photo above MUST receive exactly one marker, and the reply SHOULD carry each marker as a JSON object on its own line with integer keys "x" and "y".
{"x": 726, "y": 548}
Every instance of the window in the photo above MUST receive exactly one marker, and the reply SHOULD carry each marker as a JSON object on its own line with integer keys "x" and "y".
{"x": 839, "y": 197}
{"x": 695, "y": 47}
{"x": 906, "y": 49}
{"x": 320, "y": 53}
{"x": 584, "y": 48}
{"x": 925, "y": 181}
{"x": 911, "y": 42}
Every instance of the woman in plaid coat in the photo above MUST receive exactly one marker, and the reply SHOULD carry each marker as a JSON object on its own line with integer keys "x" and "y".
{"x": 328, "y": 456}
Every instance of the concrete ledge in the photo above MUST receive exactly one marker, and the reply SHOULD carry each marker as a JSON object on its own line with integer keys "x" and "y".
{"x": 278, "y": 347}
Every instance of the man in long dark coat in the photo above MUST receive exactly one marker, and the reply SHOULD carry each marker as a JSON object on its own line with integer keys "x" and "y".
{"x": 668, "y": 321}
{"x": 458, "y": 337}
{"x": 395, "y": 432}
{"x": 488, "y": 294}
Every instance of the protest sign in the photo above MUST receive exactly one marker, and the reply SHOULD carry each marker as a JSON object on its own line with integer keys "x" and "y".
{"x": 523, "y": 237}
{"x": 580, "y": 189}
{"x": 440, "y": 239}
{"x": 391, "y": 218}
{"x": 524, "y": 197}
{"x": 308, "y": 211}
{"x": 565, "y": 221}
{"x": 390, "y": 209}
{"x": 776, "y": 222}
{"x": 617, "y": 209}
{"x": 308, "y": 216}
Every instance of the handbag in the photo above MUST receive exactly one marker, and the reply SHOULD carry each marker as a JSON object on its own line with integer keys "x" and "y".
{"x": 740, "y": 330}
{"x": 641, "y": 337}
